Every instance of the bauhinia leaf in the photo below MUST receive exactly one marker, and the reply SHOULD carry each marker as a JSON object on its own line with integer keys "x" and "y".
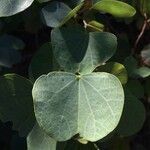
{"x": 39, "y": 140}
{"x": 76, "y": 50}
{"x": 11, "y": 7}
{"x": 16, "y": 102}
{"x": 67, "y": 104}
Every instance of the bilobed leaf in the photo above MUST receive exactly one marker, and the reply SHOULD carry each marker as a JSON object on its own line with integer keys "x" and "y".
{"x": 11, "y": 7}
{"x": 78, "y": 51}
{"x": 16, "y": 102}
{"x": 66, "y": 104}
{"x": 39, "y": 140}
{"x": 115, "y": 7}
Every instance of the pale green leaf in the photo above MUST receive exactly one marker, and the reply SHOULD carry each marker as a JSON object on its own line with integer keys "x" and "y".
{"x": 11, "y": 7}
{"x": 67, "y": 104}
{"x": 116, "y": 69}
{"x": 39, "y": 140}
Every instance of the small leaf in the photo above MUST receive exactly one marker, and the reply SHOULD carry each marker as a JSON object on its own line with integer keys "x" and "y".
{"x": 75, "y": 50}
{"x": 142, "y": 72}
{"x": 114, "y": 7}
{"x": 66, "y": 104}
{"x": 145, "y": 54}
{"x": 54, "y": 13}
{"x": 11, "y": 7}
{"x": 39, "y": 140}
{"x": 16, "y": 102}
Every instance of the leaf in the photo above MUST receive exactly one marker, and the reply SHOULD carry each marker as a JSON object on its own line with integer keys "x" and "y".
{"x": 11, "y": 7}
{"x": 16, "y": 102}
{"x": 131, "y": 64}
{"x": 133, "y": 116}
{"x": 133, "y": 69}
{"x": 145, "y": 54}
{"x": 115, "y": 8}
{"x": 41, "y": 62}
{"x": 66, "y": 104}
{"x": 142, "y": 72}
{"x": 138, "y": 90}
{"x": 9, "y": 50}
{"x": 116, "y": 69}
{"x": 78, "y": 51}
{"x": 39, "y": 140}
{"x": 54, "y": 13}
{"x": 71, "y": 14}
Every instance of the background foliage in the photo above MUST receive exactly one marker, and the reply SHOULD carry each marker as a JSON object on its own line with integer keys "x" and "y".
{"x": 32, "y": 33}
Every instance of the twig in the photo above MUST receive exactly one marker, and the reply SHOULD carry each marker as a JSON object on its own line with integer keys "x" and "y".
{"x": 145, "y": 24}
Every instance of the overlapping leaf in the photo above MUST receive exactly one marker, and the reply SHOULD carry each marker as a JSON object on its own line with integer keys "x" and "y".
{"x": 16, "y": 102}
{"x": 78, "y": 51}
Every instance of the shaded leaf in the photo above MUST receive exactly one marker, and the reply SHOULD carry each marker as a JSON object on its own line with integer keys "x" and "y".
{"x": 77, "y": 51}
{"x": 16, "y": 102}
{"x": 9, "y": 54}
{"x": 133, "y": 116}
{"x": 41, "y": 62}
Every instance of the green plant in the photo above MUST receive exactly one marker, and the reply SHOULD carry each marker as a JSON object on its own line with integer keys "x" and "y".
{"x": 83, "y": 98}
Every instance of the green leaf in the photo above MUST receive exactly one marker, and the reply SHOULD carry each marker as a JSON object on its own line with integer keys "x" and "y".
{"x": 67, "y": 104}
{"x": 133, "y": 116}
{"x": 75, "y": 50}
{"x": 54, "y": 13}
{"x": 39, "y": 140}
{"x": 11, "y": 7}
{"x": 145, "y": 54}
{"x": 116, "y": 69}
{"x": 9, "y": 50}
{"x": 138, "y": 90}
{"x": 41, "y": 62}
{"x": 16, "y": 102}
{"x": 142, "y": 72}
{"x": 114, "y": 7}
{"x": 71, "y": 14}
{"x": 133, "y": 69}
